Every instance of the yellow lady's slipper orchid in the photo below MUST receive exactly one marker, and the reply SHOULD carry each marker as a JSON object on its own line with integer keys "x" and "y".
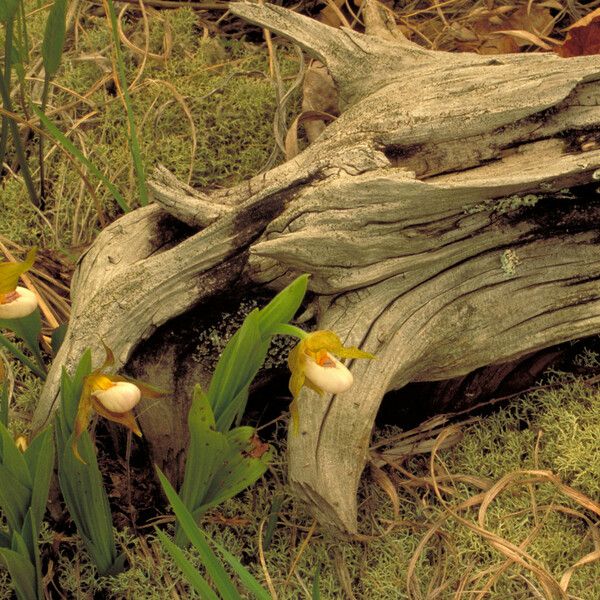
{"x": 313, "y": 364}
{"x": 112, "y": 397}
{"x": 15, "y": 301}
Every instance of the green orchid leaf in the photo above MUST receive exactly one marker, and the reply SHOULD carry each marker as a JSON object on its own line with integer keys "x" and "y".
{"x": 22, "y": 573}
{"x": 284, "y": 305}
{"x": 8, "y": 8}
{"x": 40, "y": 462}
{"x": 28, "y": 329}
{"x": 57, "y": 337}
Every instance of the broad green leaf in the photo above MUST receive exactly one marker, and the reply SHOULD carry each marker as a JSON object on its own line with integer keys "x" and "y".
{"x": 195, "y": 579}
{"x": 14, "y": 499}
{"x": 235, "y": 366}
{"x": 284, "y": 306}
{"x": 57, "y": 337}
{"x": 40, "y": 461}
{"x": 239, "y": 470}
{"x": 12, "y": 458}
{"x": 28, "y": 329}
{"x": 213, "y": 566}
{"x": 86, "y": 500}
{"x": 22, "y": 573}
{"x": 205, "y": 453}
{"x": 54, "y": 37}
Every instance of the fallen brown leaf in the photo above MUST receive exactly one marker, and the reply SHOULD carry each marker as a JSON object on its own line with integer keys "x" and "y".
{"x": 583, "y": 37}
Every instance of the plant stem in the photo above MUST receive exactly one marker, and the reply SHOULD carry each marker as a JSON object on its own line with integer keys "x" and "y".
{"x": 286, "y": 329}
{"x": 41, "y": 142}
{"x": 6, "y": 80}
{"x": 4, "y": 93}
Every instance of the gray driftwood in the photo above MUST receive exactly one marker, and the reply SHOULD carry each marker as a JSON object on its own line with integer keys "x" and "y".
{"x": 414, "y": 213}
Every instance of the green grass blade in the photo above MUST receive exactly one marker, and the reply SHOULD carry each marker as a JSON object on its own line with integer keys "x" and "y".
{"x": 133, "y": 138}
{"x": 195, "y": 579}
{"x": 272, "y": 520}
{"x": 248, "y": 580}
{"x": 315, "y": 592}
{"x": 19, "y": 151}
{"x": 4, "y": 403}
{"x": 213, "y": 566}
{"x": 40, "y": 461}
{"x": 54, "y": 37}
{"x": 61, "y": 139}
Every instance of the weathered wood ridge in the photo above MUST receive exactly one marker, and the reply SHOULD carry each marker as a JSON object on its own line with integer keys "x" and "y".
{"x": 413, "y": 213}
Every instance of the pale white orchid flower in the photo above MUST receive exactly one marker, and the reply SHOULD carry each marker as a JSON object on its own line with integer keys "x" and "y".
{"x": 17, "y": 304}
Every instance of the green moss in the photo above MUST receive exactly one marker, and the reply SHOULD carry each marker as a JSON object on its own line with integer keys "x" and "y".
{"x": 498, "y": 445}
{"x": 223, "y": 85}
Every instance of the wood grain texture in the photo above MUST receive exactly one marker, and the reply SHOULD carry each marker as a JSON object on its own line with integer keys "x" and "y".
{"x": 413, "y": 212}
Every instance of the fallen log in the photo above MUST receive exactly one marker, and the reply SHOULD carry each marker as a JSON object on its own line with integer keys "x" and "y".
{"x": 448, "y": 219}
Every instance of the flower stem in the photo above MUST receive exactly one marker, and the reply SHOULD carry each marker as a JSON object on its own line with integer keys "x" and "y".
{"x": 286, "y": 329}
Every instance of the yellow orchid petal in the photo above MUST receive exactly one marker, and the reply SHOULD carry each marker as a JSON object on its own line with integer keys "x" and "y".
{"x": 11, "y": 271}
{"x": 329, "y": 341}
{"x": 127, "y": 418}
{"x": 109, "y": 361}
{"x": 296, "y": 365}
{"x": 82, "y": 419}
{"x": 353, "y": 352}
{"x": 323, "y": 340}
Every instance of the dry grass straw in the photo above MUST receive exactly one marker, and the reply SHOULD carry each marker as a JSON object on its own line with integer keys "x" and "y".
{"x": 472, "y": 514}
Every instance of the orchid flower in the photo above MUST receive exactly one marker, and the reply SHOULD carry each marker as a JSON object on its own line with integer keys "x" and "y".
{"x": 112, "y": 397}
{"x": 313, "y": 364}
{"x": 16, "y": 302}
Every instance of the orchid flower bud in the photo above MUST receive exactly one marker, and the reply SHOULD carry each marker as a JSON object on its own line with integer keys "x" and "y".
{"x": 17, "y": 304}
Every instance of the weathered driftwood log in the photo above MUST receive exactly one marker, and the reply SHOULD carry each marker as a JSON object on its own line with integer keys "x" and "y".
{"x": 428, "y": 214}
